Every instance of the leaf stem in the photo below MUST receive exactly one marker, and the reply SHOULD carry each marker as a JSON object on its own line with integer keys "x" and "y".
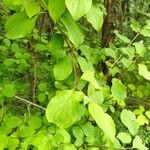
{"x": 31, "y": 103}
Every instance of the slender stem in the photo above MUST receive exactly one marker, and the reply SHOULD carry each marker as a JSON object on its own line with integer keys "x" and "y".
{"x": 123, "y": 53}
{"x": 28, "y": 102}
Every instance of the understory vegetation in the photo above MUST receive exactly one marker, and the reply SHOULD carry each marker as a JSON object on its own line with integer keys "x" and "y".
{"x": 74, "y": 74}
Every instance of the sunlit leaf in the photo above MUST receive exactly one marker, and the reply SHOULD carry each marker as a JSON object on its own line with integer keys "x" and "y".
{"x": 19, "y": 25}
{"x": 143, "y": 71}
{"x": 78, "y": 8}
{"x": 63, "y": 109}
{"x": 103, "y": 120}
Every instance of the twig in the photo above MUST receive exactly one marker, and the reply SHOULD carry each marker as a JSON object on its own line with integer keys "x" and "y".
{"x": 34, "y": 84}
{"x": 123, "y": 53}
{"x": 31, "y": 103}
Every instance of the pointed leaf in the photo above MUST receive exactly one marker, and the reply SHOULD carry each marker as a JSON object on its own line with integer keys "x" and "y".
{"x": 56, "y": 8}
{"x": 138, "y": 143}
{"x": 74, "y": 31}
{"x": 129, "y": 120}
{"x": 95, "y": 17}
{"x": 78, "y": 8}
{"x": 118, "y": 90}
{"x": 19, "y": 25}
{"x": 104, "y": 121}
{"x": 143, "y": 71}
{"x": 63, "y": 69}
{"x": 32, "y": 8}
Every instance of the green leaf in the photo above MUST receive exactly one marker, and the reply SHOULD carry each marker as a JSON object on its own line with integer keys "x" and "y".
{"x": 69, "y": 147}
{"x": 148, "y": 114}
{"x": 34, "y": 122}
{"x": 19, "y": 25}
{"x": 97, "y": 97}
{"x": 3, "y": 141}
{"x": 84, "y": 65}
{"x": 129, "y": 51}
{"x": 18, "y": 2}
{"x": 32, "y": 8}
{"x": 77, "y": 132}
{"x": 135, "y": 26}
{"x": 63, "y": 108}
{"x": 146, "y": 29}
{"x": 74, "y": 31}
{"x": 41, "y": 97}
{"x": 118, "y": 90}
{"x": 103, "y": 120}
{"x": 79, "y": 142}
{"x": 95, "y": 17}
{"x": 141, "y": 120}
{"x": 9, "y": 90}
{"x": 62, "y": 135}
{"x": 88, "y": 129}
{"x": 63, "y": 69}
{"x": 129, "y": 120}
{"x": 90, "y": 139}
{"x": 137, "y": 143}
{"x": 122, "y": 37}
{"x": 10, "y": 4}
{"x": 88, "y": 71}
{"x": 25, "y": 131}
{"x": 42, "y": 87}
{"x": 55, "y": 46}
{"x": 143, "y": 71}
{"x": 78, "y": 8}
{"x": 89, "y": 76}
{"x": 13, "y": 121}
{"x": 124, "y": 137}
{"x": 13, "y": 143}
{"x": 56, "y": 8}
{"x": 44, "y": 138}
{"x": 140, "y": 48}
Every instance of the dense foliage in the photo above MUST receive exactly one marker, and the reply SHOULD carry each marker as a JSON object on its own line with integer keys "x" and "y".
{"x": 74, "y": 74}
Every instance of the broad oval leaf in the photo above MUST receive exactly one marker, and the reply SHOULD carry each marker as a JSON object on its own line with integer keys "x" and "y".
{"x": 56, "y": 8}
{"x": 64, "y": 108}
{"x": 78, "y": 8}
{"x": 9, "y": 90}
{"x": 95, "y": 17}
{"x": 19, "y": 25}
{"x": 143, "y": 71}
{"x": 74, "y": 31}
{"x": 124, "y": 137}
{"x": 129, "y": 120}
{"x": 118, "y": 90}
{"x": 138, "y": 143}
{"x": 63, "y": 69}
{"x": 104, "y": 121}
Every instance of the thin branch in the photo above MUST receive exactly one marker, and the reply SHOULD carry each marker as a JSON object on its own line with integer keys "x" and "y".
{"x": 31, "y": 103}
{"x": 123, "y": 53}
